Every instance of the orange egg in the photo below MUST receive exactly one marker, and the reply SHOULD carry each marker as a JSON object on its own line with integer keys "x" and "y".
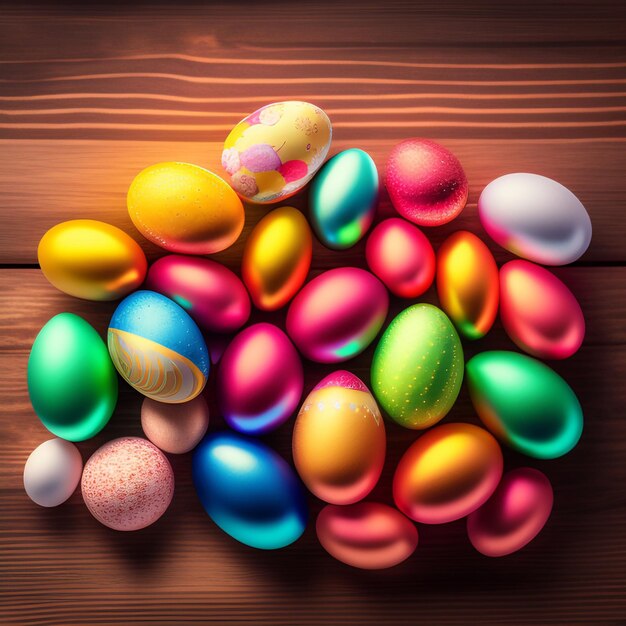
{"x": 447, "y": 473}
{"x": 467, "y": 283}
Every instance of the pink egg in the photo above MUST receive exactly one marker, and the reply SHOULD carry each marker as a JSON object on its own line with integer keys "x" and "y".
{"x": 426, "y": 182}
{"x": 260, "y": 379}
{"x": 127, "y": 484}
{"x": 367, "y": 535}
{"x": 514, "y": 515}
{"x": 212, "y": 295}
{"x": 539, "y": 313}
{"x": 402, "y": 257}
{"x": 337, "y": 314}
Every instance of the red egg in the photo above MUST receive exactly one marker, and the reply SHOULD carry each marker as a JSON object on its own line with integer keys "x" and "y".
{"x": 514, "y": 515}
{"x": 402, "y": 257}
{"x": 426, "y": 182}
{"x": 367, "y": 535}
{"x": 539, "y": 313}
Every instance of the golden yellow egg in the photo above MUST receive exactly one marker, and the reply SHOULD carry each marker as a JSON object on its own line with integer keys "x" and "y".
{"x": 277, "y": 258}
{"x": 185, "y": 208}
{"x": 91, "y": 260}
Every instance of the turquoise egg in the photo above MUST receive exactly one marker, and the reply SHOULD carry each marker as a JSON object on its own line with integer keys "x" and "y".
{"x": 249, "y": 491}
{"x": 157, "y": 348}
{"x": 71, "y": 381}
{"x": 343, "y": 198}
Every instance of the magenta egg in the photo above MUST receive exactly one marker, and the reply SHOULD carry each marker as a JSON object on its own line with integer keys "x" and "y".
{"x": 402, "y": 257}
{"x": 367, "y": 535}
{"x": 260, "y": 379}
{"x": 338, "y": 314}
{"x": 426, "y": 182}
{"x": 539, "y": 313}
{"x": 212, "y": 295}
{"x": 514, "y": 515}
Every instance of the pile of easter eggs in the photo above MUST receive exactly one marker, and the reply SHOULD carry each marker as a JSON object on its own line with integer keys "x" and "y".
{"x": 157, "y": 344}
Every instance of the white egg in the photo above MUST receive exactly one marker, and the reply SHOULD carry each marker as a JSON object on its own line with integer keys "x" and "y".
{"x": 52, "y": 472}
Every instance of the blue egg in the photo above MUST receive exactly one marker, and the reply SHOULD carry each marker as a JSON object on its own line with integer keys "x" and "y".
{"x": 157, "y": 348}
{"x": 343, "y": 198}
{"x": 249, "y": 491}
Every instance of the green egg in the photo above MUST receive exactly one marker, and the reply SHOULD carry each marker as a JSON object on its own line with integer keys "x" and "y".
{"x": 71, "y": 381}
{"x": 525, "y": 403}
{"x": 417, "y": 367}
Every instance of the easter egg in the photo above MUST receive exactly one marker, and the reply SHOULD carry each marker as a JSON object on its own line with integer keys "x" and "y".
{"x": 52, "y": 472}
{"x": 277, "y": 258}
{"x": 367, "y": 535}
{"x": 337, "y": 314}
{"x": 536, "y": 218}
{"x": 185, "y": 208}
{"x": 467, "y": 283}
{"x": 71, "y": 381}
{"x": 402, "y": 257}
{"x": 539, "y": 313}
{"x": 91, "y": 260}
{"x": 249, "y": 491}
{"x": 417, "y": 368}
{"x": 524, "y": 403}
{"x": 343, "y": 198}
{"x": 127, "y": 484}
{"x": 157, "y": 348}
{"x": 175, "y": 428}
{"x": 259, "y": 380}
{"x": 214, "y": 297}
{"x": 339, "y": 440}
{"x": 272, "y": 153}
{"x": 426, "y": 182}
{"x": 447, "y": 473}
{"x": 514, "y": 515}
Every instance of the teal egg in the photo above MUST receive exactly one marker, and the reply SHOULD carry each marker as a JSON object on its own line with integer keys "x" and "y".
{"x": 71, "y": 381}
{"x": 525, "y": 403}
{"x": 343, "y": 198}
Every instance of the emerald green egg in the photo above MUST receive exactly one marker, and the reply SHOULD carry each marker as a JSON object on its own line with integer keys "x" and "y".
{"x": 71, "y": 381}
{"x": 525, "y": 403}
{"x": 417, "y": 367}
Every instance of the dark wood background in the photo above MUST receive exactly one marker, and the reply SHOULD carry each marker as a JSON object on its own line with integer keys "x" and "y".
{"x": 88, "y": 97}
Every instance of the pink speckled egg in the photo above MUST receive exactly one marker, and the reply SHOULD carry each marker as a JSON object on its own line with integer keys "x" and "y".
{"x": 426, "y": 182}
{"x": 127, "y": 484}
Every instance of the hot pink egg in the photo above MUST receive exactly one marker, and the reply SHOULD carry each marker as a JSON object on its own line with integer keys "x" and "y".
{"x": 260, "y": 379}
{"x": 402, "y": 257}
{"x": 514, "y": 515}
{"x": 212, "y": 295}
{"x": 338, "y": 314}
{"x": 426, "y": 182}
{"x": 539, "y": 313}
{"x": 127, "y": 484}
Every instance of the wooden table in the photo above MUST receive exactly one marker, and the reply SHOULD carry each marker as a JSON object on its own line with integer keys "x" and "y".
{"x": 90, "y": 97}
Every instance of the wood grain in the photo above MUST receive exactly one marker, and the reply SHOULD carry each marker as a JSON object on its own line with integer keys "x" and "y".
{"x": 89, "y": 96}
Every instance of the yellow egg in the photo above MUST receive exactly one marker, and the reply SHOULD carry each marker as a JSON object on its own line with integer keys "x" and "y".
{"x": 185, "y": 208}
{"x": 91, "y": 260}
{"x": 277, "y": 258}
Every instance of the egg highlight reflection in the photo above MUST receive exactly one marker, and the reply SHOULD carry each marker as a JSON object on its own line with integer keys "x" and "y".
{"x": 539, "y": 313}
{"x": 337, "y": 314}
{"x": 277, "y": 258}
{"x": 339, "y": 440}
{"x": 272, "y": 153}
{"x": 249, "y": 491}
{"x": 467, "y": 283}
{"x": 157, "y": 348}
{"x": 447, "y": 473}
{"x": 514, "y": 515}
{"x": 367, "y": 535}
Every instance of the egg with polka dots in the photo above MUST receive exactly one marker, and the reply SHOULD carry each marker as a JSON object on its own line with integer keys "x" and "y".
{"x": 417, "y": 368}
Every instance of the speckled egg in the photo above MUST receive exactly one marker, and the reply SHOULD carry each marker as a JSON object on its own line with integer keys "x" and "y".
{"x": 272, "y": 153}
{"x": 127, "y": 484}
